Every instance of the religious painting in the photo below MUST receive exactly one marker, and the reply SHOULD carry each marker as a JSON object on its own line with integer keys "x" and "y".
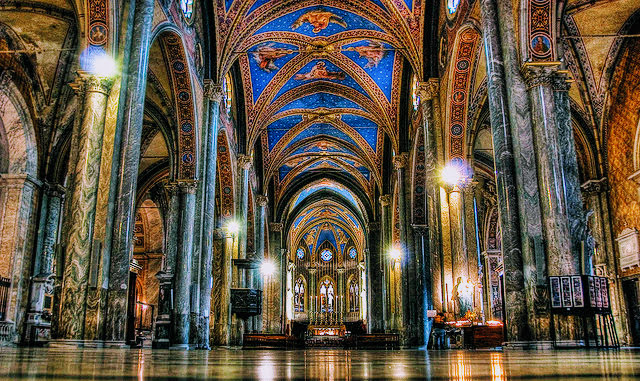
{"x": 327, "y": 296}
{"x": 578, "y": 297}
{"x": 266, "y": 54}
{"x": 374, "y": 52}
{"x": 98, "y": 34}
{"x": 556, "y": 296}
{"x": 540, "y": 45}
{"x": 565, "y": 285}
{"x": 319, "y": 71}
{"x": 319, "y": 19}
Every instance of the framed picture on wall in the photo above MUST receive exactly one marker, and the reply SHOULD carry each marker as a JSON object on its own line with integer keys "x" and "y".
{"x": 565, "y": 286}
{"x": 604, "y": 292}
{"x": 592, "y": 292}
{"x": 556, "y": 296}
{"x": 596, "y": 284}
{"x": 576, "y": 288}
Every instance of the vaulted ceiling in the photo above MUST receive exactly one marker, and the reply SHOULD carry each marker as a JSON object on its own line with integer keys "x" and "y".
{"x": 321, "y": 82}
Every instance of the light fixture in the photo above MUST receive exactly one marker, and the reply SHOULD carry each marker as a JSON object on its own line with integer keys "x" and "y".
{"x": 233, "y": 227}
{"x": 96, "y": 61}
{"x": 267, "y": 268}
{"x": 451, "y": 174}
{"x": 395, "y": 254}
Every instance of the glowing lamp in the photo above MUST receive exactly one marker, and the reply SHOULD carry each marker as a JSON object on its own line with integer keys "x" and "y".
{"x": 395, "y": 254}
{"x": 268, "y": 268}
{"x": 233, "y": 227}
{"x": 97, "y": 62}
{"x": 451, "y": 174}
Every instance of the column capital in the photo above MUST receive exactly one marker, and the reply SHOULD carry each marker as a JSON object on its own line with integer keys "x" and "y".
{"x": 545, "y": 74}
{"x": 385, "y": 200}
{"x": 596, "y": 186}
{"x": 400, "y": 161}
{"x": 373, "y": 226}
{"x": 244, "y": 162}
{"x": 54, "y": 190}
{"x": 188, "y": 186}
{"x": 86, "y": 82}
{"x": 275, "y": 226}
{"x": 213, "y": 91}
{"x": 422, "y": 230}
{"x": 171, "y": 187}
{"x": 428, "y": 89}
{"x": 262, "y": 200}
{"x": 341, "y": 270}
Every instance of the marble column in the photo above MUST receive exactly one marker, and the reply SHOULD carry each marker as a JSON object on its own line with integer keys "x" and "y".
{"x": 244, "y": 164}
{"x": 506, "y": 183}
{"x": 78, "y": 241}
{"x": 385, "y": 234}
{"x": 43, "y": 280}
{"x": 375, "y": 266}
{"x": 214, "y": 94}
{"x": 222, "y": 292}
{"x": 422, "y": 287}
{"x": 278, "y": 255}
{"x": 552, "y": 179}
{"x": 460, "y": 260}
{"x": 261, "y": 202}
{"x": 429, "y": 93}
{"x": 130, "y": 118}
{"x": 182, "y": 280}
{"x": 406, "y": 274}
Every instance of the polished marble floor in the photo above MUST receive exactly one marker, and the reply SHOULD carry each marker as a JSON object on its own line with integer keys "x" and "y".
{"x": 113, "y": 364}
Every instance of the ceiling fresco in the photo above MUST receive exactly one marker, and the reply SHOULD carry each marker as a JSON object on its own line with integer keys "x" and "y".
{"x": 321, "y": 81}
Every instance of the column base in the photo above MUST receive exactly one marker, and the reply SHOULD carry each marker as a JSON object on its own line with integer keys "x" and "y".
{"x": 527, "y": 345}
{"x": 180, "y": 347}
{"x": 161, "y": 344}
{"x": 71, "y": 343}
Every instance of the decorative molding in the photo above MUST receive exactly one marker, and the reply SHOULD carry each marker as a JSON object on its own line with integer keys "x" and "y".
{"x": 244, "y": 162}
{"x": 213, "y": 91}
{"x": 276, "y": 226}
{"x": 602, "y": 185}
{"x": 385, "y": 200}
{"x": 262, "y": 201}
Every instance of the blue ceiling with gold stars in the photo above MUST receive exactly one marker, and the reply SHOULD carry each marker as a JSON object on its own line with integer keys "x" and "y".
{"x": 321, "y": 81}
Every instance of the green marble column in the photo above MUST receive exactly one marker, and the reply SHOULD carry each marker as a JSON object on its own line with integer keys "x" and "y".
{"x": 385, "y": 246}
{"x": 244, "y": 164}
{"x": 182, "y": 278}
{"x": 213, "y": 93}
{"x": 375, "y": 278}
{"x": 118, "y": 242}
{"x": 407, "y": 262}
{"x": 261, "y": 202}
{"x": 93, "y": 92}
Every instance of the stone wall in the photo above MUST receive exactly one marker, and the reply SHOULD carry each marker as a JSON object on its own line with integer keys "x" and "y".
{"x": 622, "y": 124}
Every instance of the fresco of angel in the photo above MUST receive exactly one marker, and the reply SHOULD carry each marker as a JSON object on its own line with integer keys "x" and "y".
{"x": 374, "y": 53}
{"x": 266, "y": 54}
{"x": 319, "y": 19}
{"x": 319, "y": 71}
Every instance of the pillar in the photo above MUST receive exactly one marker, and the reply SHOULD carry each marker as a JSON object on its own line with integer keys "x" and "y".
{"x": 244, "y": 164}
{"x": 182, "y": 279}
{"x": 127, "y": 159}
{"x": 385, "y": 245}
{"x": 552, "y": 179}
{"x": 277, "y": 255}
{"x": 502, "y": 115}
{"x": 375, "y": 265}
{"x": 261, "y": 281}
{"x": 43, "y": 280}
{"x": 222, "y": 292}
{"x": 213, "y": 94}
{"x": 93, "y": 91}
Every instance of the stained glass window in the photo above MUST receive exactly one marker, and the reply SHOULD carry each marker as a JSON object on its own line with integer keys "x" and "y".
{"x": 298, "y": 296}
{"x": 227, "y": 90}
{"x": 354, "y": 301}
{"x": 326, "y": 255}
{"x": 452, "y": 5}
{"x": 187, "y": 8}
{"x": 300, "y": 253}
{"x": 415, "y": 95}
{"x": 353, "y": 253}
{"x": 327, "y": 296}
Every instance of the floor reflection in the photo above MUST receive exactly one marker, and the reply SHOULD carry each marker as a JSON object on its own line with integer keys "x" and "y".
{"x": 146, "y": 365}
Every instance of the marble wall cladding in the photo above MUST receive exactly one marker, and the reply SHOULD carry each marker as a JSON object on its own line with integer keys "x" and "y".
{"x": 622, "y": 124}
{"x": 17, "y": 239}
{"x": 22, "y": 157}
